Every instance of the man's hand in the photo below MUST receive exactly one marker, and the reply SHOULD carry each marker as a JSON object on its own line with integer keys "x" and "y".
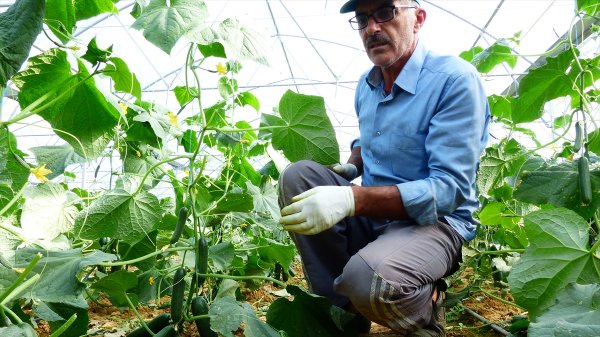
{"x": 347, "y": 171}
{"x": 318, "y": 209}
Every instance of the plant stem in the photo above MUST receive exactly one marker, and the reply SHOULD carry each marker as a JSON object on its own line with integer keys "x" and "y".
{"x": 193, "y": 318}
{"x": 65, "y": 326}
{"x": 15, "y": 198}
{"x": 501, "y": 299}
{"x": 20, "y": 288}
{"x": 7, "y": 310}
{"x": 256, "y": 277}
{"x": 142, "y": 258}
{"x": 500, "y": 252}
{"x": 137, "y": 314}
{"x": 20, "y": 280}
{"x": 155, "y": 166}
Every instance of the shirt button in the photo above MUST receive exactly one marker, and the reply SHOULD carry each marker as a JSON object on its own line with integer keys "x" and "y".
{"x": 377, "y": 162}
{"x": 379, "y": 133}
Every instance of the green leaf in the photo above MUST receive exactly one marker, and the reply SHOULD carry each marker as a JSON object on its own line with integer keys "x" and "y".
{"x": 265, "y": 199}
{"x": 20, "y": 330}
{"x": 591, "y": 7}
{"x": 557, "y": 184}
{"x": 145, "y": 246}
{"x": 246, "y": 98}
{"x": 119, "y": 214}
{"x": 558, "y": 254}
{"x": 164, "y": 24}
{"x": 60, "y": 17}
{"x": 125, "y": 80}
{"x": 541, "y": 85}
{"x": 309, "y": 315}
{"x": 48, "y": 211}
{"x": 469, "y": 55}
{"x": 215, "y": 49}
{"x": 56, "y": 157}
{"x": 115, "y": 285}
{"x": 85, "y": 9}
{"x": 499, "y": 163}
{"x": 501, "y": 106}
{"x": 83, "y": 116}
{"x": 575, "y": 313}
{"x": 19, "y": 27}
{"x": 273, "y": 251}
{"x": 304, "y": 130}
{"x": 185, "y": 95}
{"x": 227, "y": 86}
{"x": 241, "y": 42}
{"x": 59, "y": 270}
{"x": 13, "y": 175}
{"x": 498, "y": 53}
{"x": 94, "y": 55}
{"x": 189, "y": 141}
{"x": 221, "y": 255}
{"x": 227, "y": 315}
{"x": 56, "y": 314}
{"x": 234, "y": 202}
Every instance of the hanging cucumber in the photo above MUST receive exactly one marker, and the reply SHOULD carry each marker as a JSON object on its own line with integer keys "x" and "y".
{"x": 183, "y": 214}
{"x": 578, "y": 137}
{"x": 167, "y": 331}
{"x": 200, "y": 307}
{"x": 177, "y": 295}
{"x": 201, "y": 259}
{"x": 585, "y": 182}
{"x": 155, "y": 325}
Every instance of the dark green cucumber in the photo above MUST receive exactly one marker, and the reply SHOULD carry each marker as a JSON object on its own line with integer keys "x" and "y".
{"x": 177, "y": 295}
{"x": 155, "y": 325}
{"x": 201, "y": 259}
{"x": 183, "y": 214}
{"x": 5, "y": 321}
{"x": 200, "y": 307}
{"x": 578, "y": 137}
{"x": 167, "y": 331}
{"x": 585, "y": 182}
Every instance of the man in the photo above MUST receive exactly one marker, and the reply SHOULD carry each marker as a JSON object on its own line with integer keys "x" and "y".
{"x": 380, "y": 249}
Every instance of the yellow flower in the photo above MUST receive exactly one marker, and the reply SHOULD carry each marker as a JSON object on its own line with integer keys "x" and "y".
{"x": 151, "y": 280}
{"x": 41, "y": 172}
{"x": 173, "y": 119}
{"x": 221, "y": 69}
{"x": 137, "y": 153}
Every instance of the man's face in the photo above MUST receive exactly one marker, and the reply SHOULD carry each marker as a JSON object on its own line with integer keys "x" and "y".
{"x": 394, "y": 40}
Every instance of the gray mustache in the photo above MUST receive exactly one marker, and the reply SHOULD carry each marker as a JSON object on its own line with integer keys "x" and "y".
{"x": 377, "y": 38}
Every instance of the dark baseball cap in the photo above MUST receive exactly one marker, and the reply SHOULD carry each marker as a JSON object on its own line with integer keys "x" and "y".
{"x": 350, "y": 6}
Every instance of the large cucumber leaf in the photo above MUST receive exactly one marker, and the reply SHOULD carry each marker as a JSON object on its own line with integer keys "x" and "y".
{"x": 122, "y": 213}
{"x": 79, "y": 112}
{"x": 62, "y": 16}
{"x": 163, "y": 24}
{"x": 304, "y": 130}
{"x": 56, "y": 158}
{"x": 19, "y": 27}
{"x": 558, "y": 254}
{"x": 575, "y": 313}
{"x": 310, "y": 315}
{"x": 557, "y": 184}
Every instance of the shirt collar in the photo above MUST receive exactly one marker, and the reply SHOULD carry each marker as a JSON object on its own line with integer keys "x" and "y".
{"x": 409, "y": 75}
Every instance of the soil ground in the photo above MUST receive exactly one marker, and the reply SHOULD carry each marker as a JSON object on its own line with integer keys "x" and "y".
{"x": 109, "y": 321}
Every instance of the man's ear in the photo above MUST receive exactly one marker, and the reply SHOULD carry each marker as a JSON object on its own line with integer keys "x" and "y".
{"x": 421, "y": 15}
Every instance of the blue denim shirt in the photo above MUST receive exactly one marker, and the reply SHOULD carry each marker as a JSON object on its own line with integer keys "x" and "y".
{"x": 426, "y": 136}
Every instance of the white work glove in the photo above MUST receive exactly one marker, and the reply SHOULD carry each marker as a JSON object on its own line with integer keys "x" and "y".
{"x": 347, "y": 171}
{"x": 318, "y": 209}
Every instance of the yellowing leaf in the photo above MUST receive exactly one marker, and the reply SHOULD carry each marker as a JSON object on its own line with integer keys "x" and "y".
{"x": 41, "y": 172}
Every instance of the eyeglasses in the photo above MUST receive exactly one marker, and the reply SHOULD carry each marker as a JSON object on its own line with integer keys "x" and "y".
{"x": 383, "y": 14}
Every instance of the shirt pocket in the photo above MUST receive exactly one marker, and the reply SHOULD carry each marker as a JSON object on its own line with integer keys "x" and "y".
{"x": 409, "y": 158}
